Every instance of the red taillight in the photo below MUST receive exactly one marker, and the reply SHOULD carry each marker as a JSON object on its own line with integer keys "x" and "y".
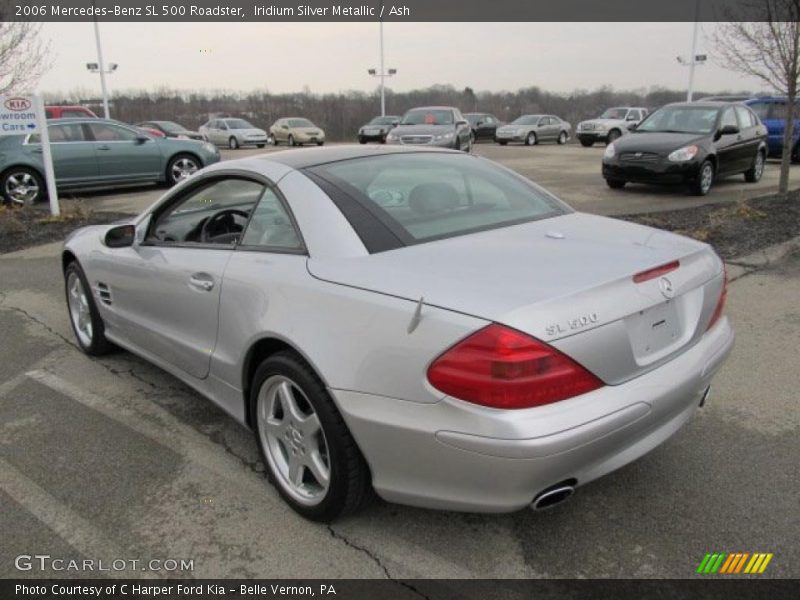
{"x": 656, "y": 272}
{"x": 723, "y": 296}
{"x": 503, "y": 368}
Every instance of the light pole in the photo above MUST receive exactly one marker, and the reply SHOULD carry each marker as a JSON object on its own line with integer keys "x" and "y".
{"x": 383, "y": 74}
{"x": 695, "y": 58}
{"x": 99, "y": 67}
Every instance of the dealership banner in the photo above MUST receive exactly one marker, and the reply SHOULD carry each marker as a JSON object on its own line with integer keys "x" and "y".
{"x": 397, "y": 589}
{"x": 397, "y": 10}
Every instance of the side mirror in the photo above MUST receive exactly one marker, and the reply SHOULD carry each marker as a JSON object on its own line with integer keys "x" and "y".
{"x": 461, "y": 123}
{"x": 395, "y": 123}
{"x": 479, "y": 123}
{"x": 120, "y": 236}
{"x": 728, "y": 130}
{"x": 141, "y": 139}
{"x": 284, "y": 127}
{"x": 632, "y": 126}
{"x": 631, "y": 118}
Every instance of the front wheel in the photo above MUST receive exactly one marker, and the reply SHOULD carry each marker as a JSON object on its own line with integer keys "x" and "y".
{"x": 21, "y": 185}
{"x": 530, "y": 140}
{"x": 705, "y": 178}
{"x": 259, "y": 145}
{"x": 502, "y": 143}
{"x": 291, "y": 141}
{"x": 181, "y": 167}
{"x": 272, "y": 140}
{"x": 587, "y": 143}
{"x": 308, "y": 451}
{"x": 754, "y": 173}
{"x": 320, "y": 143}
{"x": 562, "y": 138}
{"x": 83, "y": 314}
{"x": 612, "y": 136}
{"x": 233, "y": 143}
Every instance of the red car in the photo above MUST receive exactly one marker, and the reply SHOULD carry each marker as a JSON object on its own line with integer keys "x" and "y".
{"x": 64, "y": 112}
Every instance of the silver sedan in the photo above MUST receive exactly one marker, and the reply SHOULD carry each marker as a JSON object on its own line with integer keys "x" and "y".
{"x": 418, "y": 322}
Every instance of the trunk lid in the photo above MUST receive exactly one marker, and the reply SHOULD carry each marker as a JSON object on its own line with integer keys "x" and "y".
{"x": 558, "y": 279}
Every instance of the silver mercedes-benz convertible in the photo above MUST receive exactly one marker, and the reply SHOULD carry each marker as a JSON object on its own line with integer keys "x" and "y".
{"x": 418, "y": 322}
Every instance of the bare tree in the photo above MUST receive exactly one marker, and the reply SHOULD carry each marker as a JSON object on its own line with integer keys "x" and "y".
{"x": 764, "y": 42}
{"x": 24, "y": 56}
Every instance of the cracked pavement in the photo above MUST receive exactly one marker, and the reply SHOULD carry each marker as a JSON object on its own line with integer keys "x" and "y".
{"x": 108, "y": 457}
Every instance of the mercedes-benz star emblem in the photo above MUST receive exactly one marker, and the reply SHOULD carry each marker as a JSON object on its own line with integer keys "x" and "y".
{"x": 665, "y": 285}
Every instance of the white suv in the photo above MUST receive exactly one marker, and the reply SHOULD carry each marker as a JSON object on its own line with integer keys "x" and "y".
{"x": 613, "y": 123}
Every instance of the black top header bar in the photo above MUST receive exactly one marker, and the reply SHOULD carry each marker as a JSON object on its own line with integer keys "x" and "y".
{"x": 398, "y": 10}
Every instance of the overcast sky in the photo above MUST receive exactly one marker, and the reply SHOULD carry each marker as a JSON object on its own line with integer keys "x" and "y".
{"x": 329, "y": 57}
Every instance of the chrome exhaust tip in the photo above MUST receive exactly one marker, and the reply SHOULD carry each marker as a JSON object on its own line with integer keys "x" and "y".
{"x": 552, "y": 496}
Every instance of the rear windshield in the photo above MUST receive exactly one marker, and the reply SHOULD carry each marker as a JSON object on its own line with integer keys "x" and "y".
{"x": 426, "y": 196}
{"x": 300, "y": 123}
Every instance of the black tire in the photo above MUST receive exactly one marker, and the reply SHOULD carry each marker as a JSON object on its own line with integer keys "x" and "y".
{"x": 502, "y": 143}
{"x": 259, "y": 145}
{"x": 362, "y": 140}
{"x": 562, "y": 138}
{"x": 320, "y": 143}
{"x": 350, "y": 481}
{"x": 171, "y": 176}
{"x": 754, "y": 173}
{"x": 701, "y": 187}
{"x": 796, "y": 153}
{"x": 233, "y": 143}
{"x": 613, "y": 136}
{"x": 19, "y": 175}
{"x": 616, "y": 184}
{"x": 98, "y": 345}
{"x": 272, "y": 140}
{"x": 290, "y": 141}
{"x": 531, "y": 139}
{"x": 586, "y": 143}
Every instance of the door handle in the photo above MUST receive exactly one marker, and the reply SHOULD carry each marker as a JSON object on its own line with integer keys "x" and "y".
{"x": 202, "y": 281}
{"x": 104, "y": 147}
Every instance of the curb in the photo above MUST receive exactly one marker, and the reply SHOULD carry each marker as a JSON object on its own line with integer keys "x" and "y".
{"x": 741, "y": 266}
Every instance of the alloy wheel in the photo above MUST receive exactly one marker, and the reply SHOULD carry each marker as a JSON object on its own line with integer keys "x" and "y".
{"x": 183, "y": 167}
{"x": 706, "y": 178}
{"x": 293, "y": 440}
{"x": 79, "y": 311}
{"x": 21, "y": 187}
{"x": 758, "y": 169}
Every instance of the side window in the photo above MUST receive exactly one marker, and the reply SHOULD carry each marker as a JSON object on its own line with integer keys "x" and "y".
{"x": 745, "y": 117}
{"x": 728, "y": 118}
{"x": 222, "y": 125}
{"x": 216, "y": 213}
{"x": 66, "y": 133}
{"x": 761, "y": 109}
{"x": 634, "y": 115}
{"x": 104, "y": 132}
{"x": 271, "y": 226}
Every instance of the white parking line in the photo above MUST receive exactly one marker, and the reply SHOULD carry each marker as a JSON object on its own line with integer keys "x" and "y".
{"x": 155, "y": 423}
{"x": 79, "y": 533}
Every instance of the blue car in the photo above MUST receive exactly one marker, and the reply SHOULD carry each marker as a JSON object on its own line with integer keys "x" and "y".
{"x": 772, "y": 112}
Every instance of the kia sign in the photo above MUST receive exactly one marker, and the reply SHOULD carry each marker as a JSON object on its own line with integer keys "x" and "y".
{"x": 22, "y": 115}
{"x": 17, "y": 115}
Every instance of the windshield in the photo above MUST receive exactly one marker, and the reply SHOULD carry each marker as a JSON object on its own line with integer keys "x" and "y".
{"x": 384, "y": 120}
{"x": 681, "y": 119}
{"x": 428, "y": 117}
{"x": 238, "y": 124}
{"x": 300, "y": 123}
{"x": 614, "y": 113}
{"x": 428, "y": 196}
{"x": 526, "y": 120}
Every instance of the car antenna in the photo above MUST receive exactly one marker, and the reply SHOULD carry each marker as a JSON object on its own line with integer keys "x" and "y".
{"x": 416, "y": 317}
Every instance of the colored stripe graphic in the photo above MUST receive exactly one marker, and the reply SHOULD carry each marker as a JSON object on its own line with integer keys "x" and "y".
{"x": 724, "y": 563}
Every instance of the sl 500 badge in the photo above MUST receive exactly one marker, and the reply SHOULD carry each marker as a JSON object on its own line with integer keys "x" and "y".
{"x": 572, "y": 324}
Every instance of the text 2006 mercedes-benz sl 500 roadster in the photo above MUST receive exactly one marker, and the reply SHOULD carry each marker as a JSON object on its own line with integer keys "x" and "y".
{"x": 418, "y": 322}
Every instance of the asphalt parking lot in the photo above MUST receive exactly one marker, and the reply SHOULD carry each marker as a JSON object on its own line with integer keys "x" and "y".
{"x": 115, "y": 459}
{"x": 571, "y": 171}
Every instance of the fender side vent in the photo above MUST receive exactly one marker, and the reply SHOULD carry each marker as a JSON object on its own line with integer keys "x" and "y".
{"x": 104, "y": 293}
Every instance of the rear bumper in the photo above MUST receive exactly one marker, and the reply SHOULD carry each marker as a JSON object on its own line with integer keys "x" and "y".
{"x": 458, "y": 456}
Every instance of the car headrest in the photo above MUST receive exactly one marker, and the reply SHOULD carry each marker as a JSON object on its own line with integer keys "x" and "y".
{"x": 433, "y": 197}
